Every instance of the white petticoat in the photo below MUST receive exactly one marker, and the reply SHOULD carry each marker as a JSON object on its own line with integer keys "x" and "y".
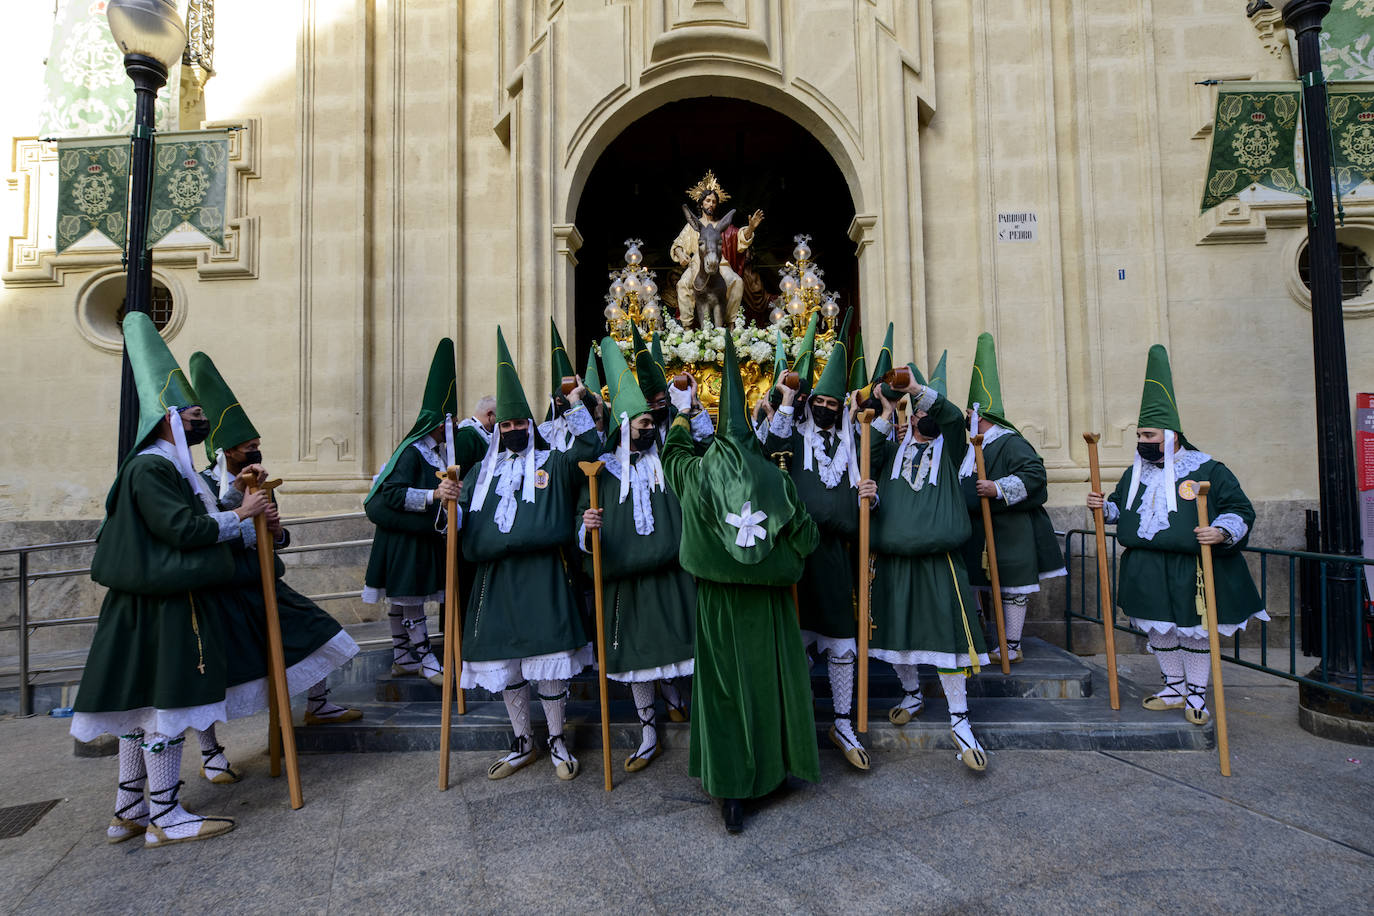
{"x": 500, "y": 673}
{"x": 663, "y": 673}
{"x": 1197, "y": 632}
{"x": 837, "y": 648}
{"x": 947, "y": 661}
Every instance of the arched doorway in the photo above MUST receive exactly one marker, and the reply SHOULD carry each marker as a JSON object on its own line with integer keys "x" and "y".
{"x": 762, "y": 158}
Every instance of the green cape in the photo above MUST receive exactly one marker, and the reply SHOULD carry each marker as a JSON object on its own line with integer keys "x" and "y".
{"x": 440, "y": 400}
{"x": 734, "y": 471}
{"x": 984, "y": 388}
{"x": 229, "y": 423}
{"x": 510, "y": 394}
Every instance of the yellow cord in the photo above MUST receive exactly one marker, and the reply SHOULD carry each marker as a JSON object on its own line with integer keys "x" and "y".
{"x": 195, "y": 628}
{"x": 963, "y": 616}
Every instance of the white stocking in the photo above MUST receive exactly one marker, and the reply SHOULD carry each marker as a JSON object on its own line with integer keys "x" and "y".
{"x": 162, "y": 757}
{"x": 211, "y": 753}
{"x": 643, "y": 693}
{"x": 418, "y": 630}
{"x": 318, "y": 700}
{"x": 1014, "y": 612}
{"x": 956, "y": 692}
{"x": 1170, "y": 654}
{"x": 841, "y": 671}
{"x": 1197, "y": 665}
{"x": 671, "y": 695}
{"x": 517, "y": 699}
{"x": 913, "y": 702}
{"x": 553, "y": 695}
{"x": 130, "y": 803}
{"x": 400, "y": 641}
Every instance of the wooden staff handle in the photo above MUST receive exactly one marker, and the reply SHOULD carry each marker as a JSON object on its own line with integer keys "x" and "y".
{"x": 279, "y": 700}
{"x": 1213, "y": 636}
{"x": 994, "y": 577}
{"x": 865, "y": 418}
{"x": 1104, "y": 584}
{"x": 453, "y": 633}
{"x": 592, "y": 469}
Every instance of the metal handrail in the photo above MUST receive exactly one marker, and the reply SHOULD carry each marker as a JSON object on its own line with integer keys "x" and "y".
{"x": 1088, "y": 576}
{"x": 22, "y": 577}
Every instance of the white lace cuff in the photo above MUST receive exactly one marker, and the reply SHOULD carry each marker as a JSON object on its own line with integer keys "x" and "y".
{"x": 417, "y": 500}
{"x": 702, "y": 428}
{"x": 1233, "y": 525}
{"x": 1110, "y": 512}
{"x": 249, "y": 532}
{"x": 579, "y": 419}
{"x": 781, "y": 425}
{"x": 582, "y": 539}
{"x": 228, "y": 522}
{"x": 1010, "y": 489}
{"x": 881, "y": 426}
{"x": 926, "y": 399}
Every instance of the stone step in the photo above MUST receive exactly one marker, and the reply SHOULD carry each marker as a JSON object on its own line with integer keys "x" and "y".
{"x": 1001, "y": 723}
{"x": 1047, "y": 672}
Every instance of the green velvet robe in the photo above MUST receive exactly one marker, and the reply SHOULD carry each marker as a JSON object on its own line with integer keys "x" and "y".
{"x": 650, "y": 601}
{"x": 826, "y": 590}
{"x": 521, "y": 601}
{"x": 1026, "y": 543}
{"x": 1157, "y": 579}
{"x": 159, "y": 641}
{"x": 407, "y": 558}
{"x": 752, "y": 716}
{"x": 922, "y": 604}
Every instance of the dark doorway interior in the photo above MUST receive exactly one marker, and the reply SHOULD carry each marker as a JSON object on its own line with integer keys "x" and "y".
{"x": 763, "y": 159}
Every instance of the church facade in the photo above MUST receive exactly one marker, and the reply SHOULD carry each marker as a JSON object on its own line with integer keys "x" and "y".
{"x": 410, "y": 169}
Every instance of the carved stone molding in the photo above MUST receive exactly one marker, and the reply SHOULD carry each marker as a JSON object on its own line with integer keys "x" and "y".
{"x": 32, "y": 258}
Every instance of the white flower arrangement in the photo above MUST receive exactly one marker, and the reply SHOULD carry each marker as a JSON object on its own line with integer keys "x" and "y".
{"x": 753, "y": 344}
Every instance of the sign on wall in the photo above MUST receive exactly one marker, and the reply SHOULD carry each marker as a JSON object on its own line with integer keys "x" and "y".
{"x": 1016, "y": 227}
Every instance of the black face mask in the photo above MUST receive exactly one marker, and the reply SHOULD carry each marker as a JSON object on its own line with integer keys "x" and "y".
{"x": 253, "y": 457}
{"x": 641, "y": 440}
{"x": 1150, "y": 451}
{"x": 927, "y": 426}
{"x": 515, "y": 440}
{"x": 660, "y": 415}
{"x": 825, "y": 417}
{"x": 197, "y": 431}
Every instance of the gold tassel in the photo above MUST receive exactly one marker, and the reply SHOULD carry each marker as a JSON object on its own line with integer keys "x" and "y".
{"x": 195, "y": 628}
{"x": 1200, "y": 598}
{"x": 974, "y": 667}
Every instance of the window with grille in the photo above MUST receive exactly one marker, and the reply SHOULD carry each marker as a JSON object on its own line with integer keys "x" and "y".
{"x": 1355, "y": 270}
{"x": 159, "y": 309}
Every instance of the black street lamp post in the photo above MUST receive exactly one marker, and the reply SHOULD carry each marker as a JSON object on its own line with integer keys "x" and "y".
{"x": 152, "y": 37}
{"x": 1340, "y": 532}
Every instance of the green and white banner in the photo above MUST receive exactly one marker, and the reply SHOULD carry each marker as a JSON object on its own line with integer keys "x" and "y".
{"x": 92, "y": 189}
{"x": 1351, "y": 108}
{"x": 86, "y": 91}
{"x": 1347, "y": 40}
{"x": 1253, "y": 140}
{"x": 190, "y": 180}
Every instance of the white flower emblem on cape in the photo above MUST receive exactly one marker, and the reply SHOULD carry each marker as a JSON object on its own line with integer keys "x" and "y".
{"x": 747, "y": 521}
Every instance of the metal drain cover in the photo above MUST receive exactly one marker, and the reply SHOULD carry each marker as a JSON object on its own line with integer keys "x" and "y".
{"x": 16, "y": 821}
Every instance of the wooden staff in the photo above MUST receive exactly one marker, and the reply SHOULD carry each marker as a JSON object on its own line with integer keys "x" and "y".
{"x": 1104, "y": 584}
{"x": 453, "y": 632}
{"x": 993, "y": 576}
{"x": 865, "y": 582}
{"x": 279, "y": 699}
{"x": 591, "y": 469}
{"x": 1213, "y": 636}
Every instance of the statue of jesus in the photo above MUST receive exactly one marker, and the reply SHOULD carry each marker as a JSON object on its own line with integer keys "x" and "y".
{"x": 709, "y": 195}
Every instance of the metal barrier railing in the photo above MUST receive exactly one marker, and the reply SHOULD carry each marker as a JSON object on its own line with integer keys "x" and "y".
{"x": 1289, "y": 561}
{"x": 23, "y": 578}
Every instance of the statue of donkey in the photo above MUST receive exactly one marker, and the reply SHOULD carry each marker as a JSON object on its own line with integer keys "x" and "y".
{"x": 708, "y": 287}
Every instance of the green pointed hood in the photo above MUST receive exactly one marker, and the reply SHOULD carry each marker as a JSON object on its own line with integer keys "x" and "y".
{"x": 592, "y": 377}
{"x": 835, "y": 375}
{"x": 623, "y": 390}
{"x": 158, "y": 379}
{"x": 648, "y": 369}
{"x": 805, "y": 363}
{"x": 883, "y": 364}
{"x": 1158, "y": 406}
{"x": 562, "y": 363}
{"x": 984, "y": 388}
{"x": 939, "y": 380}
{"x": 510, "y": 394}
{"x": 229, "y": 423}
{"x": 858, "y": 366}
{"x": 779, "y": 358}
{"x": 734, "y": 471}
{"x": 440, "y": 400}
{"x": 656, "y": 351}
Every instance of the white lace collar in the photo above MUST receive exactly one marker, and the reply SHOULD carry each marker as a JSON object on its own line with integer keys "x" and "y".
{"x": 1156, "y": 504}
{"x": 970, "y": 463}
{"x": 645, "y": 476}
{"x": 830, "y": 470}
